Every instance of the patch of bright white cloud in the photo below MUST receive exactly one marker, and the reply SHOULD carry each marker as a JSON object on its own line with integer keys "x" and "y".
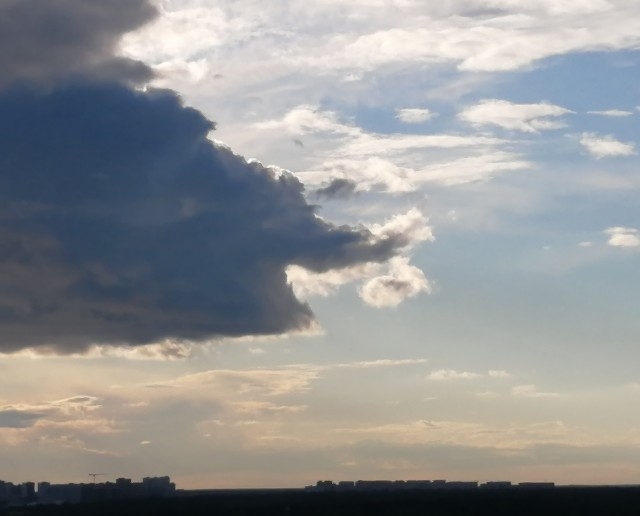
{"x": 531, "y": 391}
{"x": 172, "y": 72}
{"x": 383, "y": 362}
{"x": 186, "y": 31}
{"x": 367, "y": 144}
{"x": 306, "y": 283}
{"x": 306, "y": 119}
{"x": 611, "y": 112}
{"x": 394, "y": 163}
{"x": 271, "y": 41}
{"x": 451, "y": 374}
{"x": 498, "y": 373}
{"x": 606, "y": 146}
{"x": 310, "y": 120}
{"x": 470, "y": 169}
{"x": 623, "y": 237}
{"x": 414, "y": 115}
{"x": 412, "y": 226}
{"x": 401, "y": 282}
{"x": 530, "y": 118}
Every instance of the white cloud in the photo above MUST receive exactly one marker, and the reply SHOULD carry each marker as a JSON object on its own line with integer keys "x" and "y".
{"x": 499, "y": 373}
{"x": 468, "y": 433}
{"x": 451, "y": 374}
{"x": 401, "y": 282}
{"x": 368, "y": 144}
{"x": 307, "y": 283}
{"x": 411, "y": 226}
{"x": 481, "y": 167}
{"x": 623, "y": 237}
{"x": 330, "y": 36}
{"x": 611, "y": 112}
{"x": 385, "y": 284}
{"x": 394, "y": 163}
{"x": 531, "y": 391}
{"x": 606, "y": 146}
{"x": 530, "y": 118}
{"x": 368, "y": 173}
{"x": 253, "y": 390}
{"x": 306, "y": 119}
{"x": 414, "y": 115}
{"x": 384, "y": 362}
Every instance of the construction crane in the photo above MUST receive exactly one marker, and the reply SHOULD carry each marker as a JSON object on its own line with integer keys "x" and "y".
{"x": 94, "y": 475}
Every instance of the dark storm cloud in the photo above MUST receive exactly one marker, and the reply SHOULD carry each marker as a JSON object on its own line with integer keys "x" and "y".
{"x": 337, "y": 188}
{"x": 43, "y": 41}
{"x": 122, "y": 223}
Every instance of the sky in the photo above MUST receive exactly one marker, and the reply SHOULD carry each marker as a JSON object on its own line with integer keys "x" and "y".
{"x": 259, "y": 244}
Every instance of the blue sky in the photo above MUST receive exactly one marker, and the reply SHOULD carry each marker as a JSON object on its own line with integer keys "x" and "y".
{"x": 493, "y": 147}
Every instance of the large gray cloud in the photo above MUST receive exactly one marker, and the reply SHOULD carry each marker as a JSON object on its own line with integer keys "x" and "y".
{"x": 123, "y": 223}
{"x": 120, "y": 221}
{"x": 43, "y": 41}
{"x": 12, "y": 418}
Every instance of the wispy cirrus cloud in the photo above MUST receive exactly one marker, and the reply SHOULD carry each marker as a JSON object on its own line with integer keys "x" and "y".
{"x": 532, "y": 391}
{"x": 611, "y": 113}
{"x": 529, "y": 118}
{"x": 451, "y": 374}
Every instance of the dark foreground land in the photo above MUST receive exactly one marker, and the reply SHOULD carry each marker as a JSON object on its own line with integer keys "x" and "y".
{"x": 565, "y": 501}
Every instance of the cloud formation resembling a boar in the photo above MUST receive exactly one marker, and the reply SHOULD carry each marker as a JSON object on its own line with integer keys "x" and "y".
{"x": 122, "y": 223}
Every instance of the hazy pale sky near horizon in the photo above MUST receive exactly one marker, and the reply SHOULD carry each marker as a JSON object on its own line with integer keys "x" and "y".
{"x": 408, "y": 250}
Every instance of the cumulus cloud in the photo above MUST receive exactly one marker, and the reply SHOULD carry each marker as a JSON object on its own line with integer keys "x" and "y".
{"x": 401, "y": 282}
{"x": 414, "y": 115}
{"x": 623, "y": 237}
{"x": 399, "y": 279}
{"x": 606, "y": 146}
{"x": 530, "y": 118}
{"x": 43, "y": 42}
{"x": 124, "y": 224}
